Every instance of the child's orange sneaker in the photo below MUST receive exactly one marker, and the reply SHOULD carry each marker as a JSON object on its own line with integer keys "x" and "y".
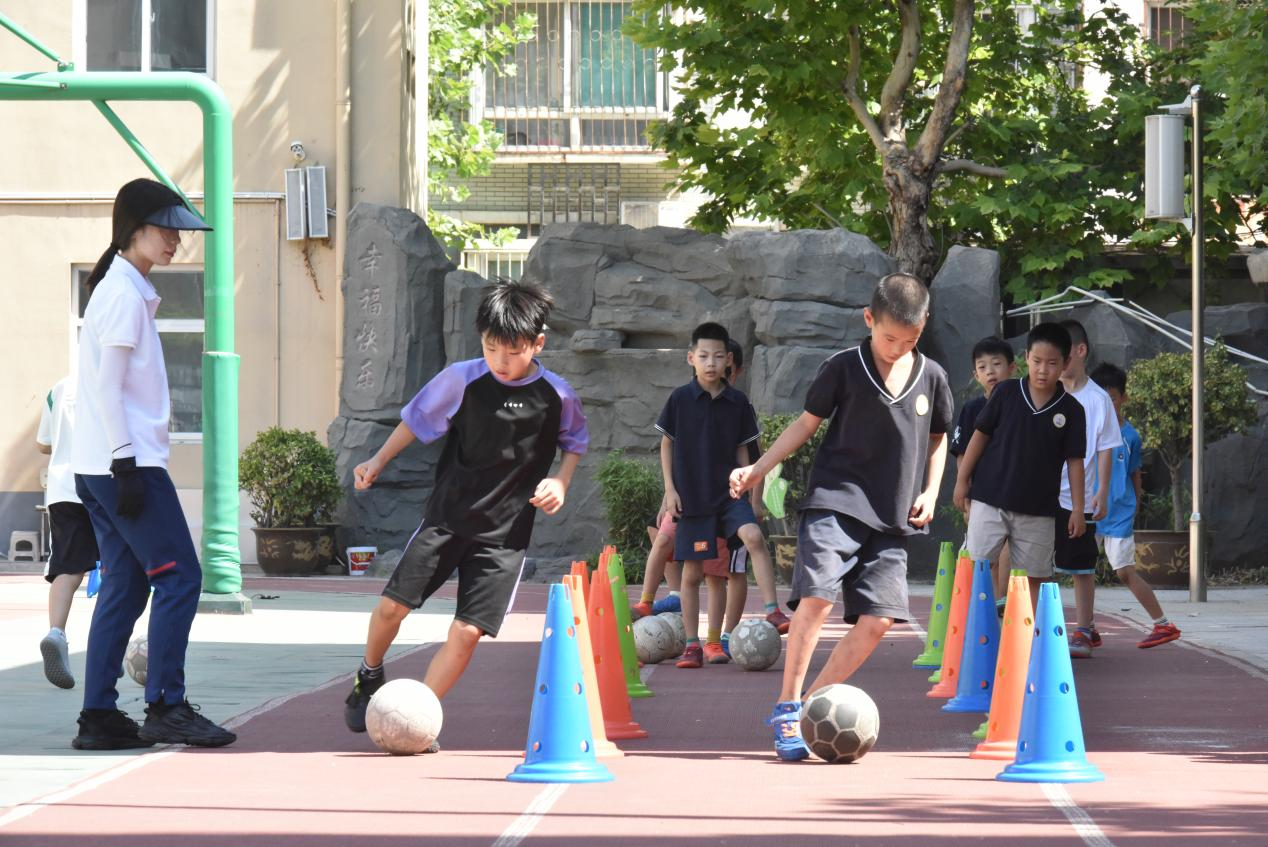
{"x": 641, "y": 609}
{"x": 692, "y": 657}
{"x": 1161, "y": 634}
{"x": 1080, "y": 645}
{"x": 714, "y": 654}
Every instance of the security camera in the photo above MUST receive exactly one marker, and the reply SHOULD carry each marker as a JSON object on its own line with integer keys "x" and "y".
{"x": 297, "y": 150}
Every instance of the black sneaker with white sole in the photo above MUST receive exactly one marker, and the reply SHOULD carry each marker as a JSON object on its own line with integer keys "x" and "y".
{"x": 359, "y": 700}
{"x": 182, "y": 724}
{"x": 108, "y": 729}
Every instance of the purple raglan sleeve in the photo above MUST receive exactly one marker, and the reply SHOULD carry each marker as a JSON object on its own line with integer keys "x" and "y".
{"x": 428, "y": 415}
{"x": 574, "y": 432}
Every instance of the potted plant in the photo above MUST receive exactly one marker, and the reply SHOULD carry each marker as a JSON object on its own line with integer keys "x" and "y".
{"x": 782, "y": 532}
{"x": 290, "y": 478}
{"x": 1159, "y": 405}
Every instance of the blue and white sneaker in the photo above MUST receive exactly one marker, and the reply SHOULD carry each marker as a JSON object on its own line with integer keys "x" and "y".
{"x": 667, "y": 604}
{"x": 785, "y": 719}
{"x": 726, "y": 644}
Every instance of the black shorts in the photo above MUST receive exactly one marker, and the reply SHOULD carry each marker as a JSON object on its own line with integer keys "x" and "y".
{"x": 487, "y": 575}
{"x": 74, "y": 544}
{"x": 1074, "y": 555}
{"x": 836, "y": 551}
{"x": 696, "y": 539}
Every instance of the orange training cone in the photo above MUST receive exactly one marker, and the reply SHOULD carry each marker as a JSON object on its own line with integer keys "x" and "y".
{"x": 618, "y": 721}
{"x": 1010, "y": 675}
{"x": 603, "y": 748}
{"x": 959, "y": 616}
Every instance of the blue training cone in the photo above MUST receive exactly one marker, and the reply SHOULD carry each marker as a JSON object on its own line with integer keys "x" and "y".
{"x": 560, "y": 747}
{"x": 1050, "y": 740}
{"x": 981, "y": 646}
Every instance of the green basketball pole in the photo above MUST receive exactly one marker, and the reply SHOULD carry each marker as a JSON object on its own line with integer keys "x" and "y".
{"x": 222, "y": 573}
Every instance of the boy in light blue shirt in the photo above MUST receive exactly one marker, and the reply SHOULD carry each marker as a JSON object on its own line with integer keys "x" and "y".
{"x": 1114, "y": 531}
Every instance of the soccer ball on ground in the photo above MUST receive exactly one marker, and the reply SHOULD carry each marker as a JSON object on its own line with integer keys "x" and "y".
{"x": 680, "y": 631}
{"x": 839, "y": 723}
{"x": 654, "y": 639}
{"x": 403, "y": 717}
{"x": 136, "y": 659}
{"x": 755, "y": 645}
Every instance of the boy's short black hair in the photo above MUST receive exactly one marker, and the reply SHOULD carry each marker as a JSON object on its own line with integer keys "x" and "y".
{"x": 737, "y": 352}
{"x": 1050, "y": 333}
{"x": 712, "y": 332}
{"x": 993, "y": 345}
{"x": 1108, "y": 375}
{"x": 902, "y": 298}
{"x": 1078, "y": 335}
{"x": 512, "y": 311}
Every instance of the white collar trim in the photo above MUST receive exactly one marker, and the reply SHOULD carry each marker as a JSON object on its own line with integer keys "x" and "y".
{"x": 912, "y": 380}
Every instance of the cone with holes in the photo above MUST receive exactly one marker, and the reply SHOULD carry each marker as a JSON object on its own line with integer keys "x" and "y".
{"x": 932, "y": 655}
{"x": 634, "y": 685}
{"x": 956, "y": 617}
{"x": 582, "y": 571}
{"x": 560, "y": 746}
{"x": 618, "y": 722}
{"x": 1050, "y": 739}
{"x": 981, "y": 646}
{"x": 603, "y": 748}
{"x": 1010, "y": 680}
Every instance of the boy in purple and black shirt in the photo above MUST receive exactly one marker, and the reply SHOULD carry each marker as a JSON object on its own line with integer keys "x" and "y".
{"x": 505, "y": 416}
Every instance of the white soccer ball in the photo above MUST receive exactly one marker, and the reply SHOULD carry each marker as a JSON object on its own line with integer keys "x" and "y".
{"x": 680, "y": 631}
{"x": 136, "y": 659}
{"x": 755, "y": 645}
{"x": 403, "y": 717}
{"x": 654, "y": 639}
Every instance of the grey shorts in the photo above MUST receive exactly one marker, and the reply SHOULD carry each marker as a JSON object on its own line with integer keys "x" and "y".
{"x": 869, "y": 567}
{"x": 1030, "y": 538}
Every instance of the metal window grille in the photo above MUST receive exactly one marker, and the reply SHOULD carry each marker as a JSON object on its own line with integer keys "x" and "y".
{"x": 588, "y": 193}
{"x": 492, "y": 262}
{"x": 578, "y": 85}
{"x": 1167, "y": 26}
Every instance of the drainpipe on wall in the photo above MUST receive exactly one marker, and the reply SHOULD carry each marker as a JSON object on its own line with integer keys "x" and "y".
{"x": 343, "y": 168}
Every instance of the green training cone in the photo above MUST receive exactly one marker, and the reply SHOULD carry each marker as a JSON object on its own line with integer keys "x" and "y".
{"x": 932, "y": 655}
{"x": 634, "y": 686}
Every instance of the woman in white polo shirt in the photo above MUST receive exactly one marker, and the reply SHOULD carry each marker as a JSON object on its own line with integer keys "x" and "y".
{"x": 120, "y": 457}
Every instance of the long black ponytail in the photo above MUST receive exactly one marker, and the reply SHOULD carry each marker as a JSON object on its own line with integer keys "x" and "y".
{"x": 135, "y": 201}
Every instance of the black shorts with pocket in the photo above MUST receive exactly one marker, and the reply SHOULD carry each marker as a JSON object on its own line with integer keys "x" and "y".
{"x": 74, "y": 544}
{"x": 1074, "y": 555}
{"x": 836, "y": 551}
{"x": 487, "y": 575}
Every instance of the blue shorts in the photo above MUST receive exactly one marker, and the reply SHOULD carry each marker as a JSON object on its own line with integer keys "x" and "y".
{"x": 697, "y": 536}
{"x": 836, "y": 551}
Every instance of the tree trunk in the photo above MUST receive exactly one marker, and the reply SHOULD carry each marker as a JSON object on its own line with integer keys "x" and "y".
{"x": 912, "y": 241}
{"x": 1177, "y": 498}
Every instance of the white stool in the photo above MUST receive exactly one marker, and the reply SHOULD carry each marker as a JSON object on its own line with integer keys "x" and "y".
{"x": 24, "y": 546}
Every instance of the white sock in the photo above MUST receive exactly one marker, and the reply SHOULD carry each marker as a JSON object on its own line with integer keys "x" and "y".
{"x": 673, "y": 594}
{"x": 57, "y": 630}
{"x": 1162, "y": 621}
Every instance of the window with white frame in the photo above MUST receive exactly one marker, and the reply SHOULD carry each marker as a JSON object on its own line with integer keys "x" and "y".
{"x": 180, "y": 323}
{"x": 579, "y": 83}
{"x": 146, "y": 35}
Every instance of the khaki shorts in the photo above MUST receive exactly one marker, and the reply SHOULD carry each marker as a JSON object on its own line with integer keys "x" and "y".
{"x": 1030, "y": 538}
{"x": 1121, "y": 552}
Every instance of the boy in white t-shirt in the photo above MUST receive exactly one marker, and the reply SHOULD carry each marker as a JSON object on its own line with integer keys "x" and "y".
{"x": 1077, "y": 556}
{"x": 74, "y": 551}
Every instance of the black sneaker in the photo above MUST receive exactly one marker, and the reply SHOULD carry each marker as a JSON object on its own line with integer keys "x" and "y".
{"x": 107, "y": 729}
{"x": 181, "y": 724}
{"x": 359, "y": 700}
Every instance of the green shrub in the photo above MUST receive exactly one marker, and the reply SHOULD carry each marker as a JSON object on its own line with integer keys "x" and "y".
{"x": 631, "y": 491}
{"x": 289, "y": 477}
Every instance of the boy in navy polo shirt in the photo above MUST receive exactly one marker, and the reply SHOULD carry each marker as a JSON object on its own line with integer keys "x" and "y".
{"x": 1011, "y": 472}
{"x": 505, "y": 416}
{"x": 705, "y": 428}
{"x": 874, "y": 482}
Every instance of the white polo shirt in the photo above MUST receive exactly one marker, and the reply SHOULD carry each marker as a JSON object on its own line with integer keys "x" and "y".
{"x": 57, "y": 430}
{"x": 1103, "y": 433}
{"x": 121, "y": 313}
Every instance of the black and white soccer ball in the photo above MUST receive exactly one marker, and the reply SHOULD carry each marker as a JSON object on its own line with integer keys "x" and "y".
{"x": 839, "y": 723}
{"x": 136, "y": 659}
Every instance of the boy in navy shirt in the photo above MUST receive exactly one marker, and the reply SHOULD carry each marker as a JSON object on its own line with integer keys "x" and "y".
{"x": 1114, "y": 532}
{"x": 1011, "y": 472}
{"x": 705, "y": 428}
{"x": 874, "y": 482}
{"x": 505, "y": 416}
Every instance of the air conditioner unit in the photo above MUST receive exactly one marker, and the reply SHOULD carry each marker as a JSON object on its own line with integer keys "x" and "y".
{"x": 640, "y": 214}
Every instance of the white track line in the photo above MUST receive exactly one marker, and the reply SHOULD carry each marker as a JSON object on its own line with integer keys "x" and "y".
{"x": 30, "y": 807}
{"x": 1079, "y": 819}
{"x": 524, "y": 825}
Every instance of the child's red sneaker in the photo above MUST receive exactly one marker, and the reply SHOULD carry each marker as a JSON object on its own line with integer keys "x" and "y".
{"x": 779, "y": 620}
{"x": 1161, "y": 634}
{"x": 692, "y": 657}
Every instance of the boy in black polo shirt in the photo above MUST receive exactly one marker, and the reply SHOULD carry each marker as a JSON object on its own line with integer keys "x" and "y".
{"x": 1011, "y": 472}
{"x": 874, "y": 482}
{"x": 506, "y": 417}
{"x": 706, "y": 426}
